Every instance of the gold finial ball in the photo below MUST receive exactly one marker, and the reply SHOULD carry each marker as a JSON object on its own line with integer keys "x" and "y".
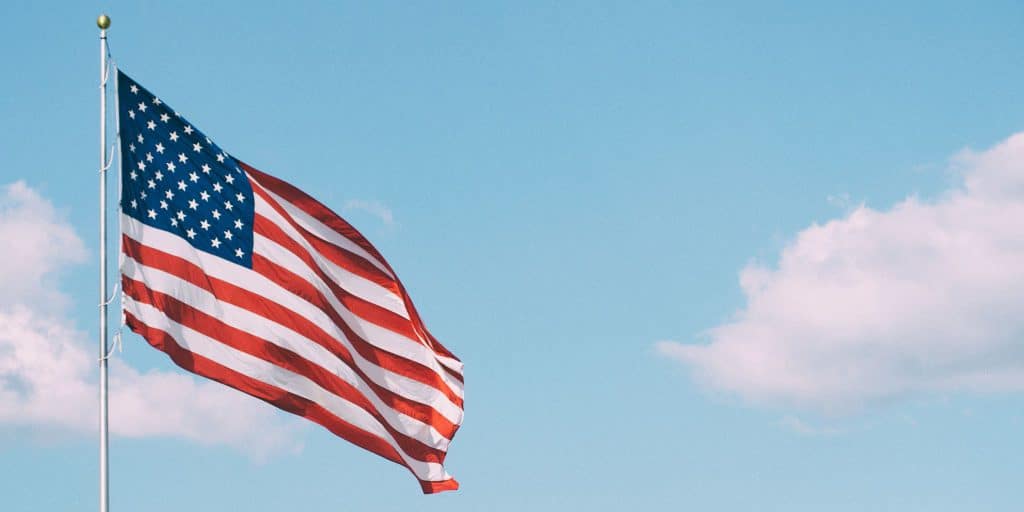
{"x": 103, "y": 22}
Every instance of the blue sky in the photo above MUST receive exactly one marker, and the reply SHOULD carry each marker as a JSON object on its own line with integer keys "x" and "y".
{"x": 571, "y": 193}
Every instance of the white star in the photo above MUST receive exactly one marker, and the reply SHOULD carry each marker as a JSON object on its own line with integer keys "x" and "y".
{"x": 163, "y": 204}
{"x": 238, "y": 224}
{"x": 149, "y": 157}
{"x": 133, "y": 175}
{"x": 204, "y": 196}
{"x": 164, "y": 117}
{"x": 141, "y": 139}
{"x": 152, "y": 184}
{"x": 170, "y": 166}
{"x": 141, "y": 165}
{"x": 181, "y": 215}
{"x": 151, "y": 214}
{"x": 134, "y": 88}
{"x": 216, "y": 214}
{"x": 229, "y": 178}
{"x": 151, "y": 125}
{"x": 204, "y": 224}
{"x": 217, "y": 187}
{"x": 239, "y": 253}
{"x": 159, "y": 175}
{"x": 193, "y": 204}
{"x": 240, "y": 197}
{"x": 131, "y": 114}
{"x": 156, "y": 101}
{"x": 206, "y": 169}
{"x": 220, "y": 157}
{"x": 188, "y": 130}
{"x": 228, "y": 235}
{"x": 142, "y": 107}
{"x": 182, "y": 158}
{"x": 169, "y": 194}
{"x": 196, "y": 147}
{"x": 174, "y": 136}
{"x": 191, "y": 233}
{"x": 228, "y": 205}
{"x": 131, "y": 147}
{"x": 193, "y": 177}
{"x": 182, "y": 185}
{"x": 135, "y": 204}
{"x": 174, "y": 222}
{"x": 159, "y": 148}
{"x": 142, "y": 194}
{"x": 215, "y": 243}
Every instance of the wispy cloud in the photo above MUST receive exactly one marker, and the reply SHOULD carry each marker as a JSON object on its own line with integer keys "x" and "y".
{"x": 800, "y": 426}
{"x": 47, "y": 365}
{"x": 375, "y": 208}
{"x": 875, "y": 306}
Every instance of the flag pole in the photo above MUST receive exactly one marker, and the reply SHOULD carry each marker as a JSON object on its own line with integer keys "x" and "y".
{"x": 103, "y": 22}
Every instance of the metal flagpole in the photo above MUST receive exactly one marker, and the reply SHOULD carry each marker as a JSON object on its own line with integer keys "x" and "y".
{"x": 103, "y": 22}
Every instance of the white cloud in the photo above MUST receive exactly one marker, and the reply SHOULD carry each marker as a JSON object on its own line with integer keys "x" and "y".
{"x": 176, "y": 404}
{"x": 375, "y": 208}
{"x": 925, "y": 297}
{"x": 48, "y": 366}
{"x": 800, "y": 426}
{"x": 39, "y": 244}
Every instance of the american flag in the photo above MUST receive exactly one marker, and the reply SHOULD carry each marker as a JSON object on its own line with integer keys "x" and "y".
{"x": 246, "y": 280}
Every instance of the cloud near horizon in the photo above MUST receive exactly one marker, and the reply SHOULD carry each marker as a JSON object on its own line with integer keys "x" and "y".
{"x": 48, "y": 366}
{"x": 925, "y": 297}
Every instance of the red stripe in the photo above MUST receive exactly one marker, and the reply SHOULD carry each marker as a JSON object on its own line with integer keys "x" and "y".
{"x": 262, "y": 306}
{"x": 334, "y": 221}
{"x": 243, "y": 341}
{"x": 440, "y": 486}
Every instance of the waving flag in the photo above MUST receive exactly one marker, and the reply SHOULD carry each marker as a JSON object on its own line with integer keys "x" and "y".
{"x": 244, "y": 279}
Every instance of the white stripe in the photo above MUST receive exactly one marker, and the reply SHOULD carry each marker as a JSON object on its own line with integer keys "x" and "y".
{"x": 311, "y": 224}
{"x": 454, "y": 364}
{"x": 352, "y": 283}
{"x": 279, "y": 335}
{"x": 256, "y": 283}
{"x": 263, "y": 371}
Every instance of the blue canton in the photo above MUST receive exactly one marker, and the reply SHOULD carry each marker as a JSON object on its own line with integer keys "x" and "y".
{"x": 176, "y": 179}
